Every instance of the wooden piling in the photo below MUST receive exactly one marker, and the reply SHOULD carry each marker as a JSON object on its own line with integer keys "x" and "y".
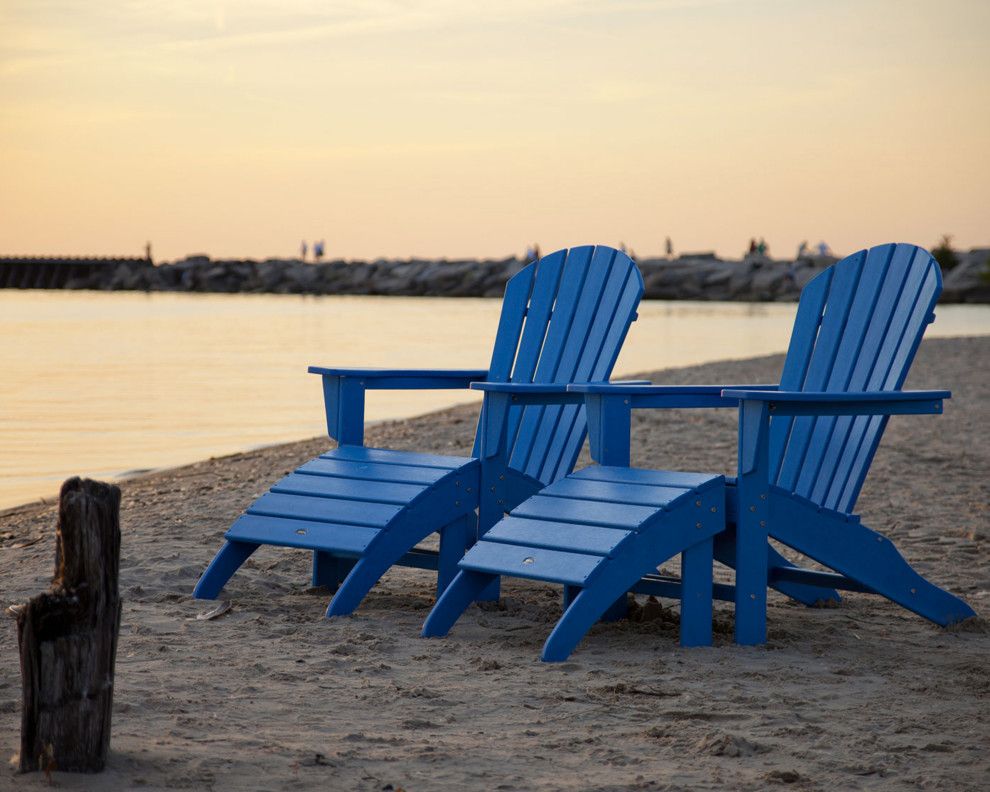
{"x": 68, "y": 637}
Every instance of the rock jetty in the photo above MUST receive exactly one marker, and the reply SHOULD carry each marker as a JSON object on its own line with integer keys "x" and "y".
{"x": 55, "y": 273}
{"x": 691, "y": 277}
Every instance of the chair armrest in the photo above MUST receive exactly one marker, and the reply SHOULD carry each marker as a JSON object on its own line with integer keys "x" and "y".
{"x": 653, "y": 396}
{"x": 405, "y": 379}
{"x": 521, "y": 387}
{"x": 926, "y": 402}
{"x": 344, "y": 389}
{"x": 536, "y": 392}
{"x": 643, "y": 388}
{"x": 756, "y": 409}
{"x": 610, "y": 405}
{"x": 500, "y": 395}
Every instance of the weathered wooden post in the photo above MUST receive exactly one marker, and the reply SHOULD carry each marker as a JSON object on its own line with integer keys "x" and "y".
{"x": 68, "y": 637}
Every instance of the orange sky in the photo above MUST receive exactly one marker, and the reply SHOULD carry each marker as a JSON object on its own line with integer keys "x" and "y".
{"x": 454, "y": 128}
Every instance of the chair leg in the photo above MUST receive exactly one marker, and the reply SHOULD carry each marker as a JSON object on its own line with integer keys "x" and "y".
{"x": 363, "y": 576}
{"x": 464, "y": 589}
{"x": 453, "y": 543}
{"x": 751, "y": 584}
{"x": 618, "y": 610}
{"x": 329, "y": 570}
{"x": 609, "y": 588}
{"x": 584, "y": 610}
{"x": 862, "y": 554}
{"x": 696, "y": 594}
{"x": 222, "y": 568}
{"x": 387, "y": 549}
{"x": 725, "y": 553}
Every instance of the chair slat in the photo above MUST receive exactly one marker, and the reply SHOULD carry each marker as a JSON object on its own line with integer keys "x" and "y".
{"x": 872, "y": 365}
{"x": 585, "y": 512}
{"x": 807, "y": 321}
{"x": 541, "y": 302}
{"x": 349, "y": 488}
{"x": 561, "y": 362}
{"x": 532, "y": 562}
{"x": 821, "y": 362}
{"x": 552, "y": 535}
{"x": 582, "y": 334}
{"x": 509, "y": 332}
{"x": 342, "y": 538}
{"x": 373, "y": 515}
{"x": 386, "y": 456}
{"x": 851, "y": 346}
{"x": 372, "y": 471}
{"x": 546, "y": 281}
{"x": 599, "y": 353}
{"x": 612, "y": 491}
{"x": 552, "y": 322}
{"x": 592, "y": 331}
{"x": 870, "y": 316}
{"x": 845, "y": 492}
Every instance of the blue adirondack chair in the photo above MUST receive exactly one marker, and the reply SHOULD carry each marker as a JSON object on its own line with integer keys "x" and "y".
{"x": 362, "y": 510}
{"x": 805, "y": 448}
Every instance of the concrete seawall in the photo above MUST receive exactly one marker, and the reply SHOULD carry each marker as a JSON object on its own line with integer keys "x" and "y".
{"x": 753, "y": 279}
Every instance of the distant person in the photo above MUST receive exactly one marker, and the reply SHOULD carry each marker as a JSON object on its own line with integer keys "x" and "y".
{"x": 147, "y": 251}
{"x": 823, "y": 249}
{"x": 536, "y": 252}
{"x": 670, "y": 248}
{"x": 303, "y": 249}
{"x": 318, "y": 250}
{"x": 752, "y": 245}
{"x": 761, "y": 247}
{"x": 802, "y": 249}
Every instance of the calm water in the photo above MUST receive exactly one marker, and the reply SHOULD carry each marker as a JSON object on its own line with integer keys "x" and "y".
{"x": 99, "y": 384}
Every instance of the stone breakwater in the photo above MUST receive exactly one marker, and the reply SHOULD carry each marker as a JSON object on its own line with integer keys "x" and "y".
{"x": 55, "y": 273}
{"x": 752, "y": 279}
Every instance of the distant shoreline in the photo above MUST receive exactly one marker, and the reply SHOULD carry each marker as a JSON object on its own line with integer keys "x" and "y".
{"x": 755, "y": 278}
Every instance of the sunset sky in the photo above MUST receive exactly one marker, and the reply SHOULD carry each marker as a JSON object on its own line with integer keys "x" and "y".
{"x": 447, "y": 128}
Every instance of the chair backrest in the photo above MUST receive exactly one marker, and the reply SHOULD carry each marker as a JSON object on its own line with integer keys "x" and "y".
{"x": 858, "y": 327}
{"x": 564, "y": 318}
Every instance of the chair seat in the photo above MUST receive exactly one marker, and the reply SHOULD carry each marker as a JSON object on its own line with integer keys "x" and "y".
{"x": 574, "y": 527}
{"x": 350, "y": 503}
{"x": 598, "y": 531}
{"x": 343, "y": 501}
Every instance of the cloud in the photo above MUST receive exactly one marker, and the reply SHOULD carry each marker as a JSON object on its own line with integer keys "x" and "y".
{"x": 53, "y": 33}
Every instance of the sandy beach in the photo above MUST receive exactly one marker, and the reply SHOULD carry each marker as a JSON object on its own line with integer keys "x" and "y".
{"x": 273, "y": 696}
